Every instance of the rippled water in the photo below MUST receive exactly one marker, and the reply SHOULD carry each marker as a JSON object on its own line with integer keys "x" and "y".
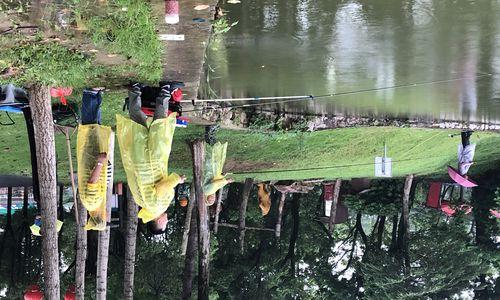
{"x": 316, "y": 47}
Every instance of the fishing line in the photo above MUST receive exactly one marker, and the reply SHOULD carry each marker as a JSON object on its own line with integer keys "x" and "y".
{"x": 288, "y": 99}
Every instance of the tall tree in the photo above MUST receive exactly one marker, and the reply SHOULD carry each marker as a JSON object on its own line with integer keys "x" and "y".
{"x": 130, "y": 247}
{"x": 45, "y": 148}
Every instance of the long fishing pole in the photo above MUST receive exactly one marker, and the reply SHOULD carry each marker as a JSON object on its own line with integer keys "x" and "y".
{"x": 287, "y": 99}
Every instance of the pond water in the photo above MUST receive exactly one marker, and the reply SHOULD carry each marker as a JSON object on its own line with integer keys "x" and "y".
{"x": 449, "y": 49}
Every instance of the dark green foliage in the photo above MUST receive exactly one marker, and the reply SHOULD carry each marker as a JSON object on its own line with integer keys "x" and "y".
{"x": 383, "y": 199}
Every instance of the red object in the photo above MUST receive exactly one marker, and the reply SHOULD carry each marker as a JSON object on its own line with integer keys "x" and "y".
{"x": 177, "y": 95}
{"x": 33, "y": 292}
{"x": 433, "y": 195}
{"x": 328, "y": 192}
{"x": 455, "y": 175}
{"x": 61, "y": 93}
{"x": 171, "y": 11}
{"x": 450, "y": 211}
{"x": 70, "y": 293}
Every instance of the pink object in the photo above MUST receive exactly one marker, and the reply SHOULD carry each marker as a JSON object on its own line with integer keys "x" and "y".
{"x": 33, "y": 292}
{"x": 495, "y": 213}
{"x": 465, "y": 182}
{"x": 61, "y": 93}
{"x": 171, "y": 11}
{"x": 450, "y": 211}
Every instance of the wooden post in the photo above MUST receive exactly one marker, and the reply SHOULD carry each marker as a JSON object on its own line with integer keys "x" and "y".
{"x": 217, "y": 210}
{"x": 130, "y": 247}
{"x": 243, "y": 211}
{"x": 198, "y": 152}
{"x": 406, "y": 218}
{"x": 34, "y": 165}
{"x": 187, "y": 221}
{"x": 41, "y": 112}
{"x": 103, "y": 236}
{"x": 280, "y": 216}
{"x": 60, "y": 207}
{"x": 81, "y": 252}
{"x": 333, "y": 210}
{"x": 187, "y": 281}
{"x": 71, "y": 172}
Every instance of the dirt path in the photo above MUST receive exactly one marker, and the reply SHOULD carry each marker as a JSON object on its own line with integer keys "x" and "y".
{"x": 183, "y": 60}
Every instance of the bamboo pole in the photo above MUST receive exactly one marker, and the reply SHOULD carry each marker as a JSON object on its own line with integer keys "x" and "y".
{"x": 103, "y": 236}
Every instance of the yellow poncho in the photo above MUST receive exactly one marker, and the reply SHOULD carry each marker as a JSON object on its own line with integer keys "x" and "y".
{"x": 35, "y": 229}
{"x": 145, "y": 153}
{"x": 214, "y": 162}
{"x": 92, "y": 140}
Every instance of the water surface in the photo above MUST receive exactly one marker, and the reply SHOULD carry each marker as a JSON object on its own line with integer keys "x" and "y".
{"x": 305, "y": 47}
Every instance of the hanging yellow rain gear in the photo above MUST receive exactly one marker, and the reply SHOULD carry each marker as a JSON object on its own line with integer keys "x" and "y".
{"x": 92, "y": 140}
{"x": 35, "y": 229}
{"x": 145, "y": 153}
{"x": 214, "y": 162}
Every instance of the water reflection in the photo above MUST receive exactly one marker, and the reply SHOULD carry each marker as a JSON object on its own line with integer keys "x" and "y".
{"x": 319, "y": 47}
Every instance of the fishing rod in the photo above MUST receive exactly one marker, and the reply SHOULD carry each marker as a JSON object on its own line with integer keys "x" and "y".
{"x": 287, "y": 99}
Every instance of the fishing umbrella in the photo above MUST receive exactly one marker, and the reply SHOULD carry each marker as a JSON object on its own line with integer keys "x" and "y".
{"x": 460, "y": 179}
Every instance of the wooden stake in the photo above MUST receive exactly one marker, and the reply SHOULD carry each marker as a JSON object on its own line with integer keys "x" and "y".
{"x": 243, "y": 211}
{"x": 280, "y": 215}
{"x": 217, "y": 210}
{"x": 198, "y": 152}
{"x": 187, "y": 221}
{"x": 333, "y": 210}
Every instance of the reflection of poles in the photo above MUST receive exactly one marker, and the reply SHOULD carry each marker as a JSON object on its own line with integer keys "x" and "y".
{"x": 130, "y": 247}
{"x": 243, "y": 211}
{"x": 406, "y": 217}
{"x": 280, "y": 215}
{"x": 333, "y": 209}
{"x": 198, "y": 152}
{"x": 187, "y": 221}
{"x": 103, "y": 236}
{"x": 81, "y": 252}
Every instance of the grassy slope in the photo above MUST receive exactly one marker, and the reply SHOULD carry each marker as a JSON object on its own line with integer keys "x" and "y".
{"x": 428, "y": 151}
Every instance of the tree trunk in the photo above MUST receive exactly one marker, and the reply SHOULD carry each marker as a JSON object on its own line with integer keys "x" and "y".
{"x": 380, "y": 232}
{"x": 243, "y": 211}
{"x": 198, "y": 152}
{"x": 130, "y": 246}
{"x": 46, "y": 164}
{"x": 81, "y": 251}
{"x": 295, "y": 232}
{"x": 187, "y": 282}
{"x": 187, "y": 221}
{"x": 406, "y": 218}
{"x": 103, "y": 236}
{"x": 333, "y": 210}
{"x": 280, "y": 215}
{"x": 217, "y": 210}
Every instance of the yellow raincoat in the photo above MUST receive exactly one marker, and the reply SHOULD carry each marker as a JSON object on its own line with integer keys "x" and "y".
{"x": 35, "y": 229}
{"x": 214, "y": 162}
{"x": 145, "y": 153}
{"x": 92, "y": 140}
